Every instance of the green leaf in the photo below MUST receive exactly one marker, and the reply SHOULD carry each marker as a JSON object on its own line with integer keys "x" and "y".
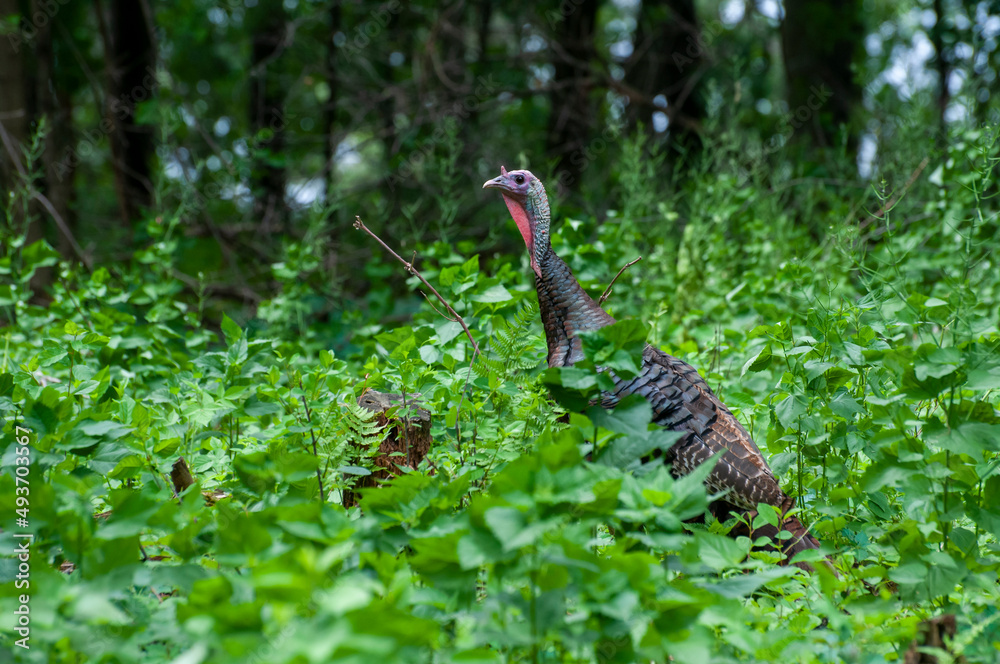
{"x": 576, "y": 378}
{"x": 789, "y": 410}
{"x": 844, "y": 405}
{"x": 237, "y": 353}
{"x": 630, "y": 416}
{"x": 625, "y": 451}
{"x": 878, "y": 503}
{"x": 493, "y": 294}
{"x": 254, "y": 407}
{"x": 572, "y": 387}
{"x": 51, "y": 353}
{"x": 36, "y": 255}
{"x": 909, "y": 574}
{"x": 718, "y": 551}
{"x": 505, "y": 522}
{"x": 972, "y": 438}
{"x": 744, "y": 585}
{"x": 740, "y": 400}
{"x": 448, "y": 330}
{"x": 106, "y": 428}
{"x": 230, "y": 330}
{"x": 618, "y": 347}
{"x": 758, "y": 362}
{"x": 984, "y": 379}
{"x": 944, "y": 573}
{"x": 430, "y": 354}
{"x": 478, "y": 548}
{"x": 766, "y": 515}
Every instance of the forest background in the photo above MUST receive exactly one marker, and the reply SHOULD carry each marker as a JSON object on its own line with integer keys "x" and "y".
{"x": 811, "y": 186}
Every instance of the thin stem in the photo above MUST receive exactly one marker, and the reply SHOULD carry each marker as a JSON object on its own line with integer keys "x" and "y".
{"x": 607, "y": 291}
{"x": 358, "y": 224}
{"x": 458, "y": 411}
{"x": 312, "y": 432}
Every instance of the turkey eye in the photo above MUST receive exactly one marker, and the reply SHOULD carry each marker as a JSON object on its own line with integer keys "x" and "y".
{"x": 519, "y": 179}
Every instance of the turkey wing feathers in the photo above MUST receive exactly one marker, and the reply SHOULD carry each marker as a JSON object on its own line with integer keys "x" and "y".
{"x": 682, "y": 401}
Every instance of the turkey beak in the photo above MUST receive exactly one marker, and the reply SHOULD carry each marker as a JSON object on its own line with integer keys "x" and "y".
{"x": 495, "y": 183}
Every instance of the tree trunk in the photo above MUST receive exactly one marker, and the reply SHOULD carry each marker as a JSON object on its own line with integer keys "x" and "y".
{"x": 483, "y": 33}
{"x": 59, "y": 167}
{"x": 572, "y": 116}
{"x": 452, "y": 28}
{"x": 668, "y": 60}
{"x": 820, "y": 41}
{"x": 18, "y": 112}
{"x": 943, "y": 69}
{"x": 330, "y": 136}
{"x": 133, "y": 81}
{"x": 393, "y": 38}
{"x": 13, "y": 104}
{"x": 267, "y": 115}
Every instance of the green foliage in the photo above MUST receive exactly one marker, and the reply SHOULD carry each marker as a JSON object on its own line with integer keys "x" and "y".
{"x": 864, "y": 363}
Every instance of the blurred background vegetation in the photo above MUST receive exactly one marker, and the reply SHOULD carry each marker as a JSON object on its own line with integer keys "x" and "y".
{"x": 254, "y": 130}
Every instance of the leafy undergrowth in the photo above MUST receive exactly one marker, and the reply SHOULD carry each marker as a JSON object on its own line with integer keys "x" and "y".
{"x": 866, "y": 365}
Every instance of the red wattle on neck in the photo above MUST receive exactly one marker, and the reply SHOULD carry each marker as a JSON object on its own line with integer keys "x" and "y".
{"x": 524, "y": 224}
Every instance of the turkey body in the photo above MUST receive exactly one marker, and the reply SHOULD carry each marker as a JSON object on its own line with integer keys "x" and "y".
{"x": 683, "y": 402}
{"x": 680, "y": 398}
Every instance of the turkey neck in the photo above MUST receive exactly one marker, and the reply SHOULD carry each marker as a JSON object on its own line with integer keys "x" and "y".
{"x": 566, "y": 309}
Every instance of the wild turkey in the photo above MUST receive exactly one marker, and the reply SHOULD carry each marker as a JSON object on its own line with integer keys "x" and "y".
{"x": 679, "y": 396}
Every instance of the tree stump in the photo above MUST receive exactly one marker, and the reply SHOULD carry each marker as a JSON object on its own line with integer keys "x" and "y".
{"x": 406, "y": 442}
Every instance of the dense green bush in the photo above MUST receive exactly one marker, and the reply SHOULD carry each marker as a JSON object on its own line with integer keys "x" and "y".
{"x": 864, "y": 363}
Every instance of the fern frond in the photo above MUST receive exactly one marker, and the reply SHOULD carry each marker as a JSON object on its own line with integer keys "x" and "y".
{"x": 510, "y": 350}
{"x": 364, "y": 428}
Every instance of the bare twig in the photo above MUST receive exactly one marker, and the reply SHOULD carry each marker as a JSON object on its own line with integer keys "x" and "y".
{"x": 436, "y": 310}
{"x": 358, "y": 224}
{"x": 607, "y": 291}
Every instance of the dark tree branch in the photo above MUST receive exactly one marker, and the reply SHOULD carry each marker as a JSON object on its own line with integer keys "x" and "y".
{"x": 360, "y": 225}
{"x": 607, "y": 291}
